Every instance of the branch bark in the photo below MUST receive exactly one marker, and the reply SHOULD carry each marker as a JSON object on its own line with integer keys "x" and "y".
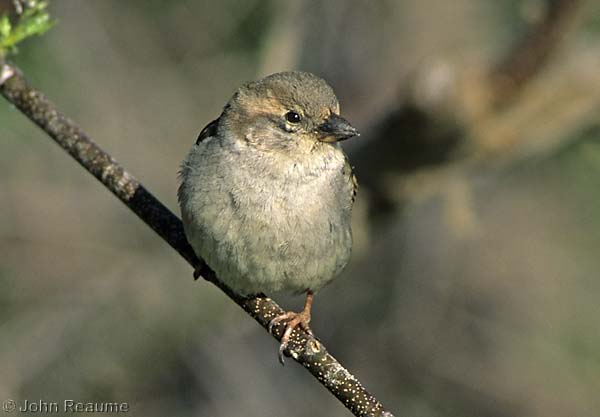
{"x": 306, "y": 350}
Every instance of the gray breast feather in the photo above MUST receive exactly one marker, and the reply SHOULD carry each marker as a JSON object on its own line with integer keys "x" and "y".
{"x": 263, "y": 226}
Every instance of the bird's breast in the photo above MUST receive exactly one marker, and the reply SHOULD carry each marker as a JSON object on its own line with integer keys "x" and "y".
{"x": 270, "y": 225}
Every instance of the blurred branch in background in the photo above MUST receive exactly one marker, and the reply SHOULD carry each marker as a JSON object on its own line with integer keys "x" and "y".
{"x": 530, "y": 53}
{"x": 454, "y": 114}
{"x": 304, "y": 348}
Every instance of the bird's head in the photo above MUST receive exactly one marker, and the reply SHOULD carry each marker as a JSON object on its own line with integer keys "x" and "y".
{"x": 287, "y": 112}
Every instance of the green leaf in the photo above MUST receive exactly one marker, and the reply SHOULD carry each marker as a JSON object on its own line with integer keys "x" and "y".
{"x": 34, "y": 20}
{"x": 5, "y": 26}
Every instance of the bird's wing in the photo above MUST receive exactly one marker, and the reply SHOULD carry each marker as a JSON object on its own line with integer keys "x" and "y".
{"x": 209, "y": 130}
{"x": 349, "y": 172}
{"x": 354, "y": 186}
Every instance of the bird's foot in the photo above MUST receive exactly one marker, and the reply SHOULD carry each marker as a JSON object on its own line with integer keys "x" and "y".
{"x": 197, "y": 273}
{"x": 301, "y": 319}
{"x": 201, "y": 270}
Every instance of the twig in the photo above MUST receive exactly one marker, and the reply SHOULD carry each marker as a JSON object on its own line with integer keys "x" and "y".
{"x": 531, "y": 52}
{"x": 305, "y": 349}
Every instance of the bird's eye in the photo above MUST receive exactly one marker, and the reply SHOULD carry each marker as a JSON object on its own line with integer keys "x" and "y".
{"x": 292, "y": 117}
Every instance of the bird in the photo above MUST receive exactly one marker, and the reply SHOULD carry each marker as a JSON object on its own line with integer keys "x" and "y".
{"x": 266, "y": 192}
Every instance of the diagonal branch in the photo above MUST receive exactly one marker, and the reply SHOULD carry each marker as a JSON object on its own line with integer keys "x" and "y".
{"x": 305, "y": 349}
{"x": 532, "y": 51}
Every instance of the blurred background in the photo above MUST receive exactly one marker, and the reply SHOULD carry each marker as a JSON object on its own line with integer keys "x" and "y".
{"x": 474, "y": 283}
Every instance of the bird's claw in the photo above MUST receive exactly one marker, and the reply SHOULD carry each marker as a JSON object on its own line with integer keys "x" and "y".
{"x": 201, "y": 270}
{"x": 197, "y": 273}
{"x": 301, "y": 319}
{"x": 282, "y": 348}
{"x": 278, "y": 319}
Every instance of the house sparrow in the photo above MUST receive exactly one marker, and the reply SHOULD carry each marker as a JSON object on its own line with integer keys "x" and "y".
{"x": 266, "y": 192}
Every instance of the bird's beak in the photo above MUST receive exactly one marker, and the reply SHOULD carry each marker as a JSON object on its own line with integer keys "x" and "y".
{"x": 336, "y": 128}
